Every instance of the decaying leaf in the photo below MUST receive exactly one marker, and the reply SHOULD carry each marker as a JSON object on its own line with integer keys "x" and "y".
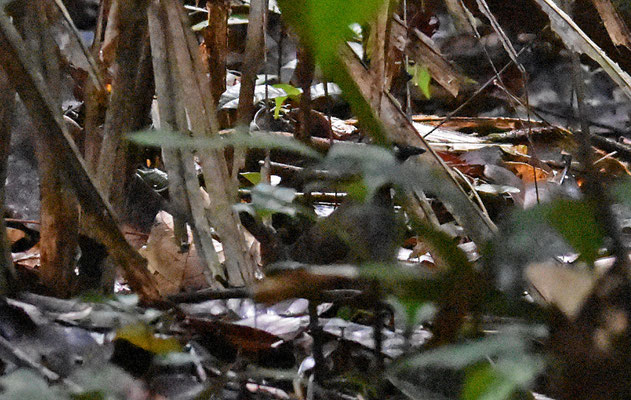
{"x": 173, "y": 269}
{"x": 561, "y": 285}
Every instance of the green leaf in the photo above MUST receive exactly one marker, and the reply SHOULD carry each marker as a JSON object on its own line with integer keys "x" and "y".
{"x": 376, "y": 165}
{"x": 325, "y": 23}
{"x": 170, "y": 139}
{"x": 501, "y": 380}
{"x": 253, "y": 177}
{"x": 536, "y": 234}
{"x": 459, "y": 356}
{"x": 323, "y": 28}
{"x": 278, "y": 104}
{"x": 268, "y": 199}
{"x": 576, "y": 222}
{"x": 143, "y": 336}
{"x": 421, "y": 78}
{"x": 439, "y": 372}
{"x": 291, "y": 91}
{"x": 26, "y": 384}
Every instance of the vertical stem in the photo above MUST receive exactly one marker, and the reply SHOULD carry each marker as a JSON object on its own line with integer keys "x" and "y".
{"x": 594, "y": 189}
{"x": 316, "y": 333}
{"x": 216, "y": 41}
{"x": 7, "y": 107}
{"x": 119, "y": 119}
{"x": 252, "y": 60}
{"x": 304, "y": 72}
{"x": 59, "y": 206}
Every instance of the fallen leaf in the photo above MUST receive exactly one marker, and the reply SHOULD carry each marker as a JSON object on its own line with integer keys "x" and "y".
{"x": 561, "y": 285}
{"x": 174, "y": 270}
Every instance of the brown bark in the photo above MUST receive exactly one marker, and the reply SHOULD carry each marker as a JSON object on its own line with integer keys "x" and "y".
{"x": 305, "y": 71}
{"x": 36, "y": 97}
{"x": 122, "y": 115}
{"x": 252, "y": 60}
{"x": 216, "y": 42}
{"x": 59, "y": 208}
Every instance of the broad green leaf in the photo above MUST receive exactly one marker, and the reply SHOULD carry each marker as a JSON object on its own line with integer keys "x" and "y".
{"x": 166, "y": 138}
{"x": 501, "y": 380}
{"x": 576, "y": 222}
{"x": 421, "y": 78}
{"x": 440, "y": 373}
{"x": 459, "y": 356}
{"x": 324, "y": 24}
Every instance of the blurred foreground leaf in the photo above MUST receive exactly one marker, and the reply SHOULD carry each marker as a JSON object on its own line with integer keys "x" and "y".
{"x": 166, "y": 138}
{"x": 324, "y": 26}
{"x": 466, "y": 368}
{"x": 268, "y": 199}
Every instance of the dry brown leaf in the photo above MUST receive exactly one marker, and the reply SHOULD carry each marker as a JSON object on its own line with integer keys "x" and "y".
{"x": 616, "y": 28}
{"x": 609, "y": 165}
{"x": 174, "y": 271}
{"x": 29, "y": 259}
{"x": 560, "y": 285}
{"x": 527, "y": 173}
{"x": 13, "y": 235}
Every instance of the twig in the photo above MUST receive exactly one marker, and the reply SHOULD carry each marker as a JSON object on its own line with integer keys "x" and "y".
{"x": 20, "y": 358}
{"x": 316, "y": 333}
{"x": 93, "y": 69}
{"x": 210, "y": 294}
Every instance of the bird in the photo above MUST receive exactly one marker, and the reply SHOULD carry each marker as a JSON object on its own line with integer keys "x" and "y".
{"x": 356, "y": 232}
